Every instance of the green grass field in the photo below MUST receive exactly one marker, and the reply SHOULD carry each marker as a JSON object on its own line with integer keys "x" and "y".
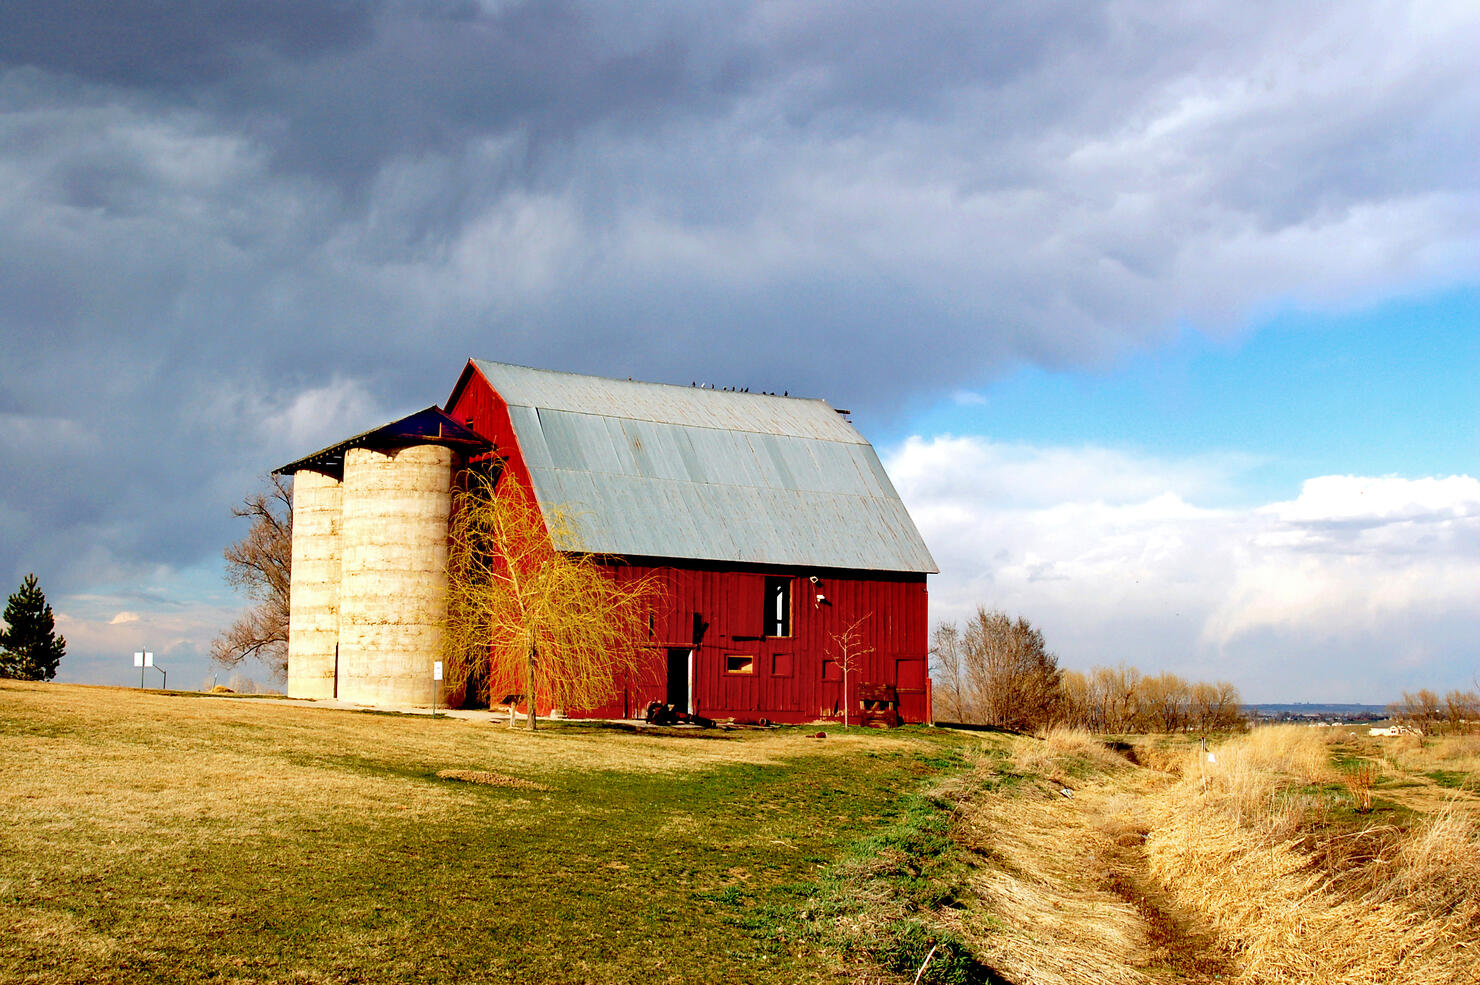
{"x": 153, "y": 837}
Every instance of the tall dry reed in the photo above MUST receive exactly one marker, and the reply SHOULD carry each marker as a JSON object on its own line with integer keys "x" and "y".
{"x": 1069, "y": 750}
{"x": 1239, "y": 840}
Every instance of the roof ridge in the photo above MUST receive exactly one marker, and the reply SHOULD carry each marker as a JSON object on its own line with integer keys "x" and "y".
{"x": 701, "y": 387}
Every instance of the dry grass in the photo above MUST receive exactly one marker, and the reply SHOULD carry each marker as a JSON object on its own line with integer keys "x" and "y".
{"x": 1303, "y": 895}
{"x": 279, "y": 842}
{"x": 155, "y": 837}
{"x": 1253, "y": 865}
{"x": 1041, "y": 922}
{"x": 1060, "y": 887}
{"x": 1359, "y": 783}
{"x": 1417, "y": 753}
{"x": 1068, "y": 752}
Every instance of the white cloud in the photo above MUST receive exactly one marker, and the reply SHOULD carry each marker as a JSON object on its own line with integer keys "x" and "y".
{"x": 315, "y": 417}
{"x": 952, "y": 469}
{"x": 1355, "y": 589}
{"x": 163, "y": 610}
{"x": 1352, "y": 555}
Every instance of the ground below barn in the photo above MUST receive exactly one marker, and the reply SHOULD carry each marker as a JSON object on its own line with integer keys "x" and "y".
{"x": 154, "y": 836}
{"x": 158, "y": 836}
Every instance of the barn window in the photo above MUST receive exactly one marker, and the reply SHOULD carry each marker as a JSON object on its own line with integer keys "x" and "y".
{"x": 778, "y": 607}
{"x": 739, "y": 663}
{"x": 781, "y": 665}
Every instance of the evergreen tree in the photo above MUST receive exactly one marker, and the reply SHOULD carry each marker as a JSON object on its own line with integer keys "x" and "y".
{"x": 30, "y": 649}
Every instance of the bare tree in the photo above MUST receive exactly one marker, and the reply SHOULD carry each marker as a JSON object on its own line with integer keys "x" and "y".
{"x": 560, "y": 628}
{"x": 948, "y": 674}
{"x": 1013, "y": 677}
{"x": 1074, "y": 700}
{"x": 849, "y": 648}
{"x": 1218, "y": 707}
{"x": 260, "y": 564}
{"x": 1462, "y": 710}
{"x": 1163, "y": 703}
{"x": 1419, "y": 709}
{"x": 1113, "y": 698}
{"x": 1203, "y": 707}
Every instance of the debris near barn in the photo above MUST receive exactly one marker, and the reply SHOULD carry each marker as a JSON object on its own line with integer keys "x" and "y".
{"x": 658, "y": 713}
{"x": 491, "y": 779}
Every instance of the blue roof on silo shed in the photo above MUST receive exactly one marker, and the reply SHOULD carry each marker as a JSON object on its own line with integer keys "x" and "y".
{"x": 655, "y": 470}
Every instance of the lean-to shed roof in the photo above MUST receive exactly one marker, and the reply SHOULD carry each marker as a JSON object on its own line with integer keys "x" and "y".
{"x": 655, "y": 470}
{"x": 426, "y": 427}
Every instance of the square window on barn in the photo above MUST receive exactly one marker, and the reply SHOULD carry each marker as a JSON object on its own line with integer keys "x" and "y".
{"x": 781, "y": 665}
{"x": 778, "y": 607}
{"x": 739, "y": 663}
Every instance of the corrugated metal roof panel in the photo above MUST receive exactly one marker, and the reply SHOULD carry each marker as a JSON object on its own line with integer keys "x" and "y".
{"x": 653, "y": 470}
{"x": 633, "y": 516}
{"x": 526, "y": 423}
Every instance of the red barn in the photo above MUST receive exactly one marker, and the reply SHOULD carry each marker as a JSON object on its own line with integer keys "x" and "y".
{"x": 769, "y": 520}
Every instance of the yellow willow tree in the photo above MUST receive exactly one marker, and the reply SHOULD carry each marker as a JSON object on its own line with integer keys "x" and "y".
{"x": 559, "y": 628}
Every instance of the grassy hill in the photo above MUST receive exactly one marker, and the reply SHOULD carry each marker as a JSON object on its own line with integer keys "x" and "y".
{"x": 171, "y": 837}
{"x": 159, "y": 837}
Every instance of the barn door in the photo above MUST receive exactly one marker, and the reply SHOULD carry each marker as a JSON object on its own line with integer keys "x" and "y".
{"x": 678, "y": 691}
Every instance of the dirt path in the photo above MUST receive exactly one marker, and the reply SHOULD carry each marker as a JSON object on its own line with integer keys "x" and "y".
{"x": 1180, "y": 946}
{"x": 1065, "y": 896}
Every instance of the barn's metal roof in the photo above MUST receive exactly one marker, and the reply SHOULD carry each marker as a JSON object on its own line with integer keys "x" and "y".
{"x": 655, "y": 470}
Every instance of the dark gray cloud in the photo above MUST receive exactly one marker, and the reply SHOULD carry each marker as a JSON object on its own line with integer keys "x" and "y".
{"x": 230, "y": 231}
{"x": 171, "y": 47}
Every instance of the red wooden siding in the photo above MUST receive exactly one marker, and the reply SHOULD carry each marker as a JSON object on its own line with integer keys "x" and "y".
{"x": 730, "y": 605}
{"x": 789, "y": 679}
{"x": 475, "y": 404}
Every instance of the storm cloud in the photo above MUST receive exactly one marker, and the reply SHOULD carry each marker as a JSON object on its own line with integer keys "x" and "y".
{"x": 209, "y": 210}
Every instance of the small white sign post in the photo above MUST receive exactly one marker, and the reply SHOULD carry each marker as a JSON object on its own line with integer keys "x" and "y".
{"x": 142, "y": 659}
{"x": 436, "y": 684}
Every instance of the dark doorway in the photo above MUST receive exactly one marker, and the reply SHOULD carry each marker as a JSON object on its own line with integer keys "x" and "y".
{"x": 678, "y": 679}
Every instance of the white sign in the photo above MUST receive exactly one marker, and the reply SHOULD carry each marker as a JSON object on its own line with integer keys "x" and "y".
{"x": 437, "y": 671}
{"x": 138, "y": 658}
{"x": 148, "y": 660}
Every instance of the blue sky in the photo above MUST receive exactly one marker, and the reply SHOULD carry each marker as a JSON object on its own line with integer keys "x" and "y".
{"x": 1307, "y": 484}
{"x": 1163, "y": 315}
{"x": 1391, "y": 389}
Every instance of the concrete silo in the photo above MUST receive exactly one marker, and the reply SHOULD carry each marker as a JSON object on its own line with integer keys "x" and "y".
{"x": 313, "y": 619}
{"x": 393, "y": 581}
{"x": 369, "y": 578}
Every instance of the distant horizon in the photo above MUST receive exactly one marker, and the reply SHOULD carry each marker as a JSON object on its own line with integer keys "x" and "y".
{"x": 1272, "y": 705}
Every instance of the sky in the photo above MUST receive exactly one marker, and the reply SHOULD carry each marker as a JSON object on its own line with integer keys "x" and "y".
{"x": 1164, "y": 316}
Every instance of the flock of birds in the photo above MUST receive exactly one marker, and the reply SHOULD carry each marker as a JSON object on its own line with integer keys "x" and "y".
{"x": 738, "y": 389}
